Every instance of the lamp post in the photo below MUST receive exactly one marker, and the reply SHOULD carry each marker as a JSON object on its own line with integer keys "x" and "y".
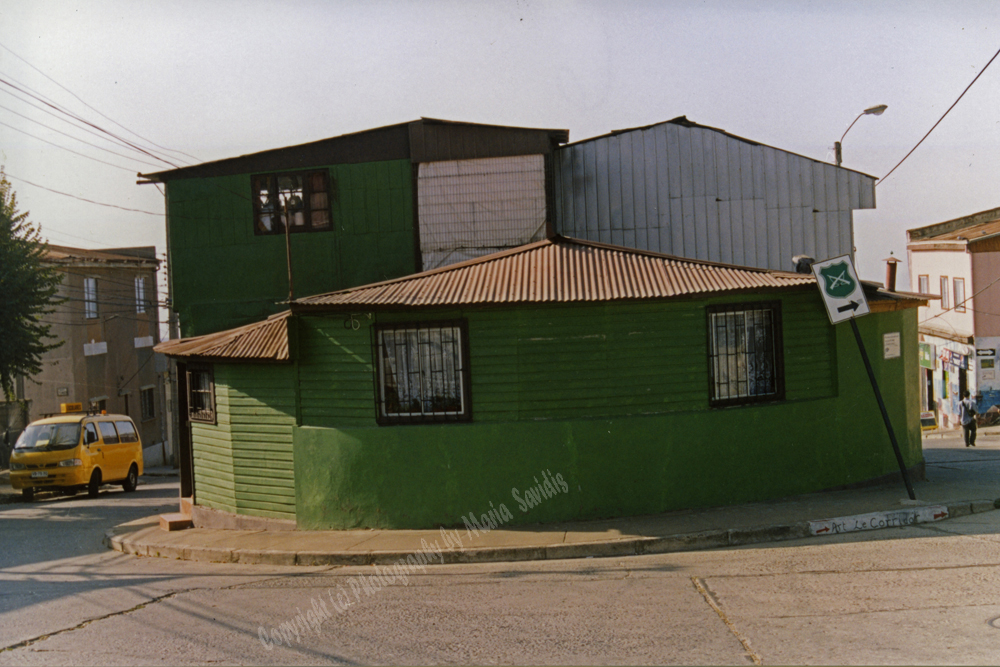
{"x": 871, "y": 111}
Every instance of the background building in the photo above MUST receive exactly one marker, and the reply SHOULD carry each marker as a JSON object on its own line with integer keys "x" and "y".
{"x": 108, "y": 323}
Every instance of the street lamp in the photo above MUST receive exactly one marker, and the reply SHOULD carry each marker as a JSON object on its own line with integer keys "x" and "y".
{"x": 871, "y": 111}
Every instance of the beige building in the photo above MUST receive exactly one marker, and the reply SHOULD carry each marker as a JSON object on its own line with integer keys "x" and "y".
{"x": 108, "y": 323}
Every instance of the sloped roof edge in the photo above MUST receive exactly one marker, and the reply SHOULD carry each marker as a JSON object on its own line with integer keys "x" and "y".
{"x": 683, "y": 121}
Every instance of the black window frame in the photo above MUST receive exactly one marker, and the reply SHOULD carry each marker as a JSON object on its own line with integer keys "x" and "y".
{"x": 147, "y": 399}
{"x": 386, "y": 418}
{"x": 198, "y": 415}
{"x": 777, "y": 346}
{"x": 307, "y": 207}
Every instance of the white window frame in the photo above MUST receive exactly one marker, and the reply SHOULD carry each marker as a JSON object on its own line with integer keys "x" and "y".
{"x": 140, "y": 294}
{"x": 90, "y": 298}
{"x": 944, "y": 293}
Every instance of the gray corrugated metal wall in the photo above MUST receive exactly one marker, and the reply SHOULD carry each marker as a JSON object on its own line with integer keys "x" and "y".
{"x": 698, "y": 192}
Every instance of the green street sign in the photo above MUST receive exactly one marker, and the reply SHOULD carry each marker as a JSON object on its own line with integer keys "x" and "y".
{"x": 840, "y": 288}
{"x": 838, "y": 280}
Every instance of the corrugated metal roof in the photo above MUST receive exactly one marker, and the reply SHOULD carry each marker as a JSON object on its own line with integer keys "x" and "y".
{"x": 559, "y": 270}
{"x": 267, "y": 340}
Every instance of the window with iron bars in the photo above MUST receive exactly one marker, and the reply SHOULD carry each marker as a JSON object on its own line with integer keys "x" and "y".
{"x": 301, "y": 198}
{"x": 745, "y": 353}
{"x": 422, "y": 373}
{"x": 201, "y": 394}
{"x": 147, "y": 402}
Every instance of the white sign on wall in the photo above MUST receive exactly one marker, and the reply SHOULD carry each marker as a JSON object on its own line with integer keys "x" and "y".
{"x": 891, "y": 345}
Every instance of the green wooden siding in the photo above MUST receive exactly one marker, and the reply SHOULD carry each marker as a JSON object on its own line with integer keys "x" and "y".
{"x": 244, "y": 463}
{"x": 612, "y": 396}
{"x": 565, "y": 361}
{"x": 224, "y": 275}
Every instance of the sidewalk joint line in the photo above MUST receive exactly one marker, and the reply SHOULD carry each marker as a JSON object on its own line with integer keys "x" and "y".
{"x": 700, "y": 586}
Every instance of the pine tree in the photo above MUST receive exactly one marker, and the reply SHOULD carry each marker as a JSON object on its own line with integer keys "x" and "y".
{"x": 28, "y": 290}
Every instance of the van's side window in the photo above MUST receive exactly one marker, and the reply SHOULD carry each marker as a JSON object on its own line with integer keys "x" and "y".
{"x": 126, "y": 431}
{"x": 108, "y": 432}
{"x": 90, "y": 434}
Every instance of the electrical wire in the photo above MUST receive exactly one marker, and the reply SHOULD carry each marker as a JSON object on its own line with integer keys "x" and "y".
{"x": 68, "y": 150}
{"x": 6, "y": 48}
{"x": 67, "y": 134}
{"x": 940, "y": 119}
{"x": 963, "y": 302}
{"x": 90, "y": 201}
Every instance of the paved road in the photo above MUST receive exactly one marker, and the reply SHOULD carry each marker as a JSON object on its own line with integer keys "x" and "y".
{"x": 928, "y": 594}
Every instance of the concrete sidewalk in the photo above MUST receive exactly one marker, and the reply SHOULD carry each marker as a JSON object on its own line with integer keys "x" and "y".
{"x": 953, "y": 488}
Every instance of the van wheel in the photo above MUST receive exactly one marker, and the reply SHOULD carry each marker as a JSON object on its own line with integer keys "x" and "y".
{"x": 132, "y": 480}
{"x": 28, "y": 494}
{"x": 95, "y": 484}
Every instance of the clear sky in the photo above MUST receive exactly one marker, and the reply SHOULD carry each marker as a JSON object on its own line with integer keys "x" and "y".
{"x": 227, "y": 77}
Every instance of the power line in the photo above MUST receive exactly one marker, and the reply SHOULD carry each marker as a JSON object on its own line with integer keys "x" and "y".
{"x": 90, "y": 201}
{"x": 66, "y": 134}
{"x": 940, "y": 119}
{"x": 92, "y": 108}
{"x": 87, "y": 122}
{"x": 68, "y": 150}
{"x": 71, "y": 121}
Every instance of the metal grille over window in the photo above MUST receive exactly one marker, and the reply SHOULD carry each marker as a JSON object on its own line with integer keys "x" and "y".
{"x": 745, "y": 353}
{"x": 301, "y": 198}
{"x": 147, "y": 402}
{"x": 201, "y": 395}
{"x": 140, "y": 294}
{"x": 422, "y": 374}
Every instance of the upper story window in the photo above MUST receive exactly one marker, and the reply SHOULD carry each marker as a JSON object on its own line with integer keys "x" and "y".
{"x": 201, "y": 394}
{"x": 745, "y": 353}
{"x": 140, "y": 294}
{"x": 300, "y": 197}
{"x": 423, "y": 373}
{"x": 924, "y": 284}
{"x": 959, "y": 295}
{"x": 90, "y": 298}
{"x": 944, "y": 293}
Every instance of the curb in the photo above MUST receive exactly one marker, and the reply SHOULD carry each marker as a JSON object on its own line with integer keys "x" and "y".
{"x": 132, "y": 543}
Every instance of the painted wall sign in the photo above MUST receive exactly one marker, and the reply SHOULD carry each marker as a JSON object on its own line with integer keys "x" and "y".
{"x": 850, "y": 524}
{"x": 928, "y": 354}
{"x": 987, "y": 363}
{"x": 840, "y": 288}
{"x": 891, "y": 345}
{"x": 958, "y": 360}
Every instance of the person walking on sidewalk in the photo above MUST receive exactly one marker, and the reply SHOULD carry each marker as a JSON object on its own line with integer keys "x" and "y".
{"x": 967, "y": 415}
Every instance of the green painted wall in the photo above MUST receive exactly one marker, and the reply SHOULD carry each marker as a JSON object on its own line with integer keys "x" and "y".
{"x": 244, "y": 462}
{"x": 613, "y": 397}
{"x": 223, "y": 275}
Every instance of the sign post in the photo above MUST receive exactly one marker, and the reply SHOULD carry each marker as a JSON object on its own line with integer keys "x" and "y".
{"x": 844, "y": 299}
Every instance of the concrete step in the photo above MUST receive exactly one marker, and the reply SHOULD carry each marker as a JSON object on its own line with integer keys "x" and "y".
{"x": 175, "y": 521}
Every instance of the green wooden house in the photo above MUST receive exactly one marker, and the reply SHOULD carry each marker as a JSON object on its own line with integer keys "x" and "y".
{"x": 559, "y": 380}
{"x": 245, "y": 233}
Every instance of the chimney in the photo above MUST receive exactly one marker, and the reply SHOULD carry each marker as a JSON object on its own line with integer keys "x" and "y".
{"x": 890, "y": 272}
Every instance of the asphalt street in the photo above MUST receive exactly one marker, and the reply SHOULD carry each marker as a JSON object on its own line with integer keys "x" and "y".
{"x": 925, "y": 594}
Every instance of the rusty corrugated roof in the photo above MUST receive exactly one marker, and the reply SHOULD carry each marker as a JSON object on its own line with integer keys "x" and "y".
{"x": 559, "y": 270}
{"x": 267, "y": 340}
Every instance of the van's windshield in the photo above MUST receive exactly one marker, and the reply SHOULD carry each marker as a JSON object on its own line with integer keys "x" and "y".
{"x": 49, "y": 437}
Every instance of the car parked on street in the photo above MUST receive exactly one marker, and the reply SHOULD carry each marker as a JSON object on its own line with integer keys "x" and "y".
{"x": 72, "y": 452}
